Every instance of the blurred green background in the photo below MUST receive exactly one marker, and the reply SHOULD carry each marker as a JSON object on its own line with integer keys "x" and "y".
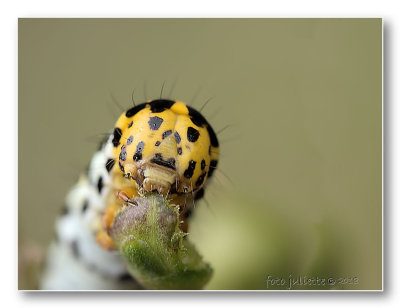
{"x": 300, "y": 189}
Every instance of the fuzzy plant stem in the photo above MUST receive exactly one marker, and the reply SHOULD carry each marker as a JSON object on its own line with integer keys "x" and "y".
{"x": 156, "y": 251}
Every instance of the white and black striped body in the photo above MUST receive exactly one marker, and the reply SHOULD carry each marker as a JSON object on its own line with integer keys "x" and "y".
{"x": 75, "y": 261}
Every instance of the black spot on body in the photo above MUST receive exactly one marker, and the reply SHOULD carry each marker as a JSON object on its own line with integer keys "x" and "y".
{"x": 100, "y": 184}
{"x": 129, "y": 140}
{"x": 166, "y": 134}
{"x": 130, "y": 124}
{"x": 159, "y": 105}
{"x": 64, "y": 210}
{"x": 189, "y": 171}
{"x": 192, "y": 134}
{"x": 155, "y": 122}
{"x": 177, "y": 137}
{"x": 117, "y": 136}
{"x": 122, "y": 155}
{"x": 75, "y": 248}
{"x": 110, "y": 164}
{"x": 213, "y": 165}
{"x": 179, "y": 151}
{"x": 200, "y": 179}
{"x": 203, "y": 164}
{"x": 131, "y": 112}
{"x": 85, "y": 206}
{"x": 139, "y": 150}
{"x": 157, "y": 143}
{"x": 157, "y": 159}
{"x": 125, "y": 277}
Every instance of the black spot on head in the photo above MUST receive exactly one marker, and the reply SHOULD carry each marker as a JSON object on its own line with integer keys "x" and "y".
{"x": 166, "y": 134}
{"x": 122, "y": 155}
{"x": 213, "y": 136}
{"x": 159, "y": 105}
{"x": 200, "y": 179}
{"x": 199, "y": 194}
{"x": 157, "y": 143}
{"x": 192, "y": 134}
{"x": 196, "y": 117}
{"x": 203, "y": 164}
{"x": 129, "y": 140}
{"x": 121, "y": 167}
{"x": 157, "y": 159}
{"x": 100, "y": 184}
{"x": 213, "y": 166}
{"x": 179, "y": 151}
{"x": 117, "y": 136}
{"x": 85, "y": 206}
{"x": 177, "y": 137}
{"x": 130, "y": 124}
{"x": 139, "y": 149}
{"x": 155, "y": 122}
{"x": 200, "y": 121}
{"x": 131, "y": 112}
{"x": 171, "y": 161}
{"x": 189, "y": 171}
{"x": 110, "y": 164}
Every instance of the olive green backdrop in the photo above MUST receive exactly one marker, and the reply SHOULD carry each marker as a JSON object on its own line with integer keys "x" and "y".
{"x": 299, "y": 191}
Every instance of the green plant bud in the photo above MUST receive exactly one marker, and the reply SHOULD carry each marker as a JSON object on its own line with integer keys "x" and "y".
{"x": 155, "y": 249}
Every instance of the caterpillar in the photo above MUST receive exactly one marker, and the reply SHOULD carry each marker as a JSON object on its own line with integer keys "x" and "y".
{"x": 161, "y": 146}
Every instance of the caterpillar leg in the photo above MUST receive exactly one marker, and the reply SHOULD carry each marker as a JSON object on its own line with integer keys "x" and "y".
{"x": 122, "y": 196}
{"x": 102, "y": 236}
{"x": 109, "y": 215}
{"x": 104, "y": 240}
